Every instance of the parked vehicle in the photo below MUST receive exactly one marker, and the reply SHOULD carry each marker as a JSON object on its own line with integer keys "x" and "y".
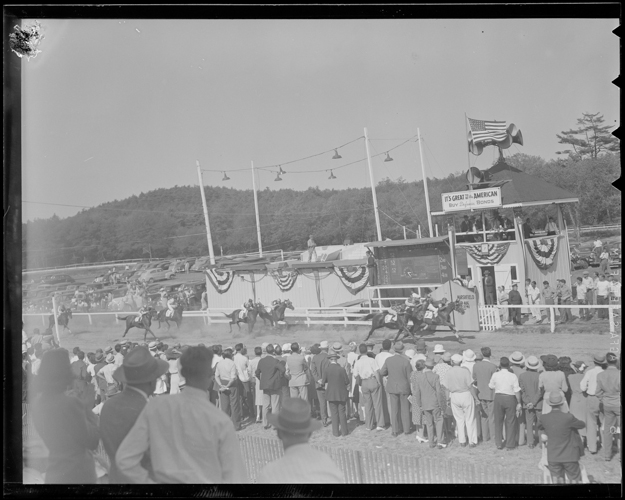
{"x": 200, "y": 264}
{"x": 615, "y": 254}
{"x": 152, "y": 275}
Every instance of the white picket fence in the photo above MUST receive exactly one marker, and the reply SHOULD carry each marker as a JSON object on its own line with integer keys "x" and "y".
{"x": 489, "y": 316}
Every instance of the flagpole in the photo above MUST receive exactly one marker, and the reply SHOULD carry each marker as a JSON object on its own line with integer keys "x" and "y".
{"x": 425, "y": 184}
{"x": 209, "y": 238}
{"x": 466, "y": 132}
{"x": 375, "y": 199}
{"x": 260, "y": 243}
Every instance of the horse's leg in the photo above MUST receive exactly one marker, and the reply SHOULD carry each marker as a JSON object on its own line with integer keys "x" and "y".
{"x": 151, "y": 333}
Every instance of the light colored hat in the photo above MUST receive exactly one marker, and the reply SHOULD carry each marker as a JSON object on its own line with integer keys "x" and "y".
{"x": 337, "y": 347}
{"x": 439, "y": 349}
{"x": 517, "y": 358}
{"x": 429, "y": 363}
{"x": 108, "y": 350}
{"x": 446, "y": 356}
{"x": 419, "y": 356}
{"x": 410, "y": 353}
{"x": 110, "y": 358}
{"x": 140, "y": 366}
{"x": 286, "y": 347}
{"x": 323, "y": 344}
{"x": 264, "y": 346}
{"x": 599, "y": 359}
{"x": 456, "y": 358}
{"x": 532, "y": 362}
{"x": 468, "y": 355}
{"x": 153, "y": 345}
{"x": 294, "y": 417}
{"x": 399, "y": 346}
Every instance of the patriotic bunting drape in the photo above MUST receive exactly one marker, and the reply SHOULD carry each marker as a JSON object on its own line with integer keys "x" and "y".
{"x": 354, "y": 280}
{"x": 492, "y": 133}
{"x": 285, "y": 280}
{"x": 221, "y": 280}
{"x": 488, "y": 253}
{"x": 543, "y": 251}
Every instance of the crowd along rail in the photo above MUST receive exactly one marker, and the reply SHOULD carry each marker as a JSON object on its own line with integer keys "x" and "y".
{"x": 489, "y": 316}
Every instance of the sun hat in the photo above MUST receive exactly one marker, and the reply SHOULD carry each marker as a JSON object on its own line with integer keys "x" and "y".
{"x": 399, "y": 346}
{"x": 286, "y": 347}
{"x": 446, "y": 357}
{"x": 110, "y": 358}
{"x": 439, "y": 349}
{"x": 468, "y": 355}
{"x": 323, "y": 344}
{"x": 599, "y": 359}
{"x": 580, "y": 366}
{"x": 153, "y": 345}
{"x": 556, "y": 398}
{"x": 172, "y": 353}
{"x": 370, "y": 343}
{"x": 517, "y": 358}
{"x": 352, "y": 344}
{"x": 429, "y": 363}
{"x": 124, "y": 342}
{"x": 264, "y": 346}
{"x": 419, "y": 356}
{"x": 456, "y": 358}
{"x": 294, "y": 417}
{"x": 108, "y": 350}
{"x": 337, "y": 347}
{"x": 140, "y": 366}
{"x": 420, "y": 345}
{"x": 410, "y": 353}
{"x": 532, "y": 362}
{"x": 99, "y": 357}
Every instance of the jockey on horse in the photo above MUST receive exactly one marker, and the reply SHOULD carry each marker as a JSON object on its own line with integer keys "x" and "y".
{"x": 275, "y": 304}
{"x": 432, "y": 308}
{"x": 143, "y": 311}
{"x": 247, "y": 306}
{"x": 171, "y": 306}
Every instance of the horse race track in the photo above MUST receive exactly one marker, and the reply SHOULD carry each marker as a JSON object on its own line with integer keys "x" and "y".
{"x": 579, "y": 341}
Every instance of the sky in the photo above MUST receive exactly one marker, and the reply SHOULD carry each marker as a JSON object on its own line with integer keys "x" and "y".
{"x": 113, "y": 108}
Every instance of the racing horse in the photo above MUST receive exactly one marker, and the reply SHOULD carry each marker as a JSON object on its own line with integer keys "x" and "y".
{"x": 443, "y": 318}
{"x": 379, "y": 321}
{"x": 146, "y": 322}
{"x": 162, "y": 317}
{"x": 274, "y": 315}
{"x": 63, "y": 320}
{"x": 235, "y": 318}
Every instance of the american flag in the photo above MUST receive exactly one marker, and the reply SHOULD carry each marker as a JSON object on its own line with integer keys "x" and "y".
{"x": 485, "y": 130}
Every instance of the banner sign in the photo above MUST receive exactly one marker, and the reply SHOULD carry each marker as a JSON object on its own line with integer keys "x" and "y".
{"x": 543, "y": 251}
{"x": 221, "y": 280}
{"x": 475, "y": 199}
{"x": 285, "y": 280}
{"x": 354, "y": 279}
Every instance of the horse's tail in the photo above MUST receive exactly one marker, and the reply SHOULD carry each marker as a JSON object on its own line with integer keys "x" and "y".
{"x": 369, "y": 316}
{"x": 120, "y": 318}
{"x": 228, "y": 315}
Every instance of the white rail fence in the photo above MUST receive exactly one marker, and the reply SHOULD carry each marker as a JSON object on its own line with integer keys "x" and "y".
{"x": 489, "y": 316}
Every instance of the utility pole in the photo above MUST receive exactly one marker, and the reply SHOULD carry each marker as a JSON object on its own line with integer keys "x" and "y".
{"x": 425, "y": 185}
{"x": 209, "y": 239}
{"x": 375, "y": 199}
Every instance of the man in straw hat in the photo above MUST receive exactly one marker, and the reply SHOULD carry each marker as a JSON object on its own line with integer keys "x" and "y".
{"x": 110, "y": 385}
{"x": 138, "y": 375}
{"x": 531, "y": 398}
{"x": 564, "y": 446}
{"x": 398, "y": 369}
{"x": 301, "y": 463}
{"x": 188, "y": 439}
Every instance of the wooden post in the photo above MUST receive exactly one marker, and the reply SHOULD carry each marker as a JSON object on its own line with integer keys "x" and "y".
{"x": 56, "y": 321}
{"x": 89, "y": 316}
{"x": 611, "y": 317}
{"x": 552, "y": 314}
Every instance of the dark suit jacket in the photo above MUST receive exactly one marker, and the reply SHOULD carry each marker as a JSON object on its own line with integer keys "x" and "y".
{"x": 336, "y": 378}
{"x": 514, "y": 298}
{"x": 318, "y": 365}
{"x": 398, "y": 369}
{"x": 117, "y": 417}
{"x": 269, "y": 372}
{"x": 426, "y": 389}
{"x": 530, "y": 393}
{"x": 482, "y": 372}
{"x": 564, "y": 443}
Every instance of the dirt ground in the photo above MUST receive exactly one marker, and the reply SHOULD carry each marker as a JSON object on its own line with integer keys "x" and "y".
{"x": 579, "y": 341}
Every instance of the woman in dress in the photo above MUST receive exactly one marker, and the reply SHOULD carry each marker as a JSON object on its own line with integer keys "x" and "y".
{"x": 578, "y": 401}
{"x": 66, "y": 425}
{"x": 258, "y": 393}
{"x": 550, "y": 380}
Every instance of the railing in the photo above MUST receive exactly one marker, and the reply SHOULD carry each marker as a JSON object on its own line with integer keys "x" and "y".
{"x": 490, "y": 315}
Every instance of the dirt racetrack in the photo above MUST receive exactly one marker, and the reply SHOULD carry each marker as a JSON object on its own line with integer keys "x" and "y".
{"x": 579, "y": 341}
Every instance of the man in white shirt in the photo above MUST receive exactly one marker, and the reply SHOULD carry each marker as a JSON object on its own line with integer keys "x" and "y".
{"x": 597, "y": 245}
{"x": 352, "y": 357}
{"x": 603, "y": 296}
{"x": 584, "y": 313}
{"x": 188, "y": 439}
{"x": 507, "y": 393}
{"x": 106, "y": 373}
{"x": 297, "y": 373}
{"x": 226, "y": 378}
{"x": 589, "y": 285}
{"x": 615, "y": 288}
{"x": 367, "y": 374}
{"x": 242, "y": 365}
{"x": 588, "y": 385}
{"x": 301, "y": 463}
{"x": 380, "y": 358}
{"x": 533, "y": 295}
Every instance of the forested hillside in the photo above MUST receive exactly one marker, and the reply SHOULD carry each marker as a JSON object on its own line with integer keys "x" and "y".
{"x": 170, "y": 222}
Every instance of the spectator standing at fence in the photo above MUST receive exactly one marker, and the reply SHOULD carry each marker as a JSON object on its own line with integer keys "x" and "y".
{"x": 609, "y": 395}
{"x": 318, "y": 366}
{"x": 336, "y": 382}
{"x": 615, "y": 289}
{"x": 507, "y": 404}
{"x": 594, "y": 415}
{"x": 502, "y": 298}
{"x": 380, "y": 358}
{"x": 531, "y": 399}
{"x": 564, "y": 445}
{"x": 241, "y": 362}
{"x": 354, "y": 393}
{"x": 81, "y": 386}
{"x": 66, "y": 425}
{"x": 188, "y": 439}
{"x": 482, "y": 373}
{"x": 565, "y": 295}
{"x": 533, "y": 294}
{"x": 577, "y": 404}
{"x": 584, "y": 313}
{"x": 515, "y": 299}
{"x": 297, "y": 373}
{"x": 301, "y": 463}
{"x": 516, "y": 366}
{"x": 463, "y": 400}
{"x": 311, "y": 248}
{"x": 119, "y": 357}
{"x": 552, "y": 380}
{"x": 398, "y": 369}
{"x": 172, "y": 356}
{"x": 603, "y": 296}
{"x": 548, "y": 296}
{"x": 589, "y": 284}
{"x": 138, "y": 375}
{"x": 227, "y": 380}
{"x": 428, "y": 396}
{"x": 367, "y": 375}
{"x": 255, "y": 384}
{"x": 269, "y": 373}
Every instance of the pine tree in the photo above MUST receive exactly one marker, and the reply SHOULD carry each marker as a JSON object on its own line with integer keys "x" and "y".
{"x": 590, "y": 140}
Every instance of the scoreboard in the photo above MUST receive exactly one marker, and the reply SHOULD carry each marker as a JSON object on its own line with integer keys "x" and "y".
{"x": 414, "y": 265}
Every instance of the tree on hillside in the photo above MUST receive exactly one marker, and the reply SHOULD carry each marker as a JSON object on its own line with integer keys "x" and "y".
{"x": 590, "y": 140}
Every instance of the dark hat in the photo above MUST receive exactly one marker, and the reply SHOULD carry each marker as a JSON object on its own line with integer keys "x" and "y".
{"x": 140, "y": 366}
{"x": 564, "y": 361}
{"x": 333, "y": 355}
{"x": 55, "y": 369}
{"x": 610, "y": 357}
{"x": 172, "y": 353}
{"x": 549, "y": 361}
{"x": 314, "y": 349}
{"x": 99, "y": 357}
{"x": 294, "y": 417}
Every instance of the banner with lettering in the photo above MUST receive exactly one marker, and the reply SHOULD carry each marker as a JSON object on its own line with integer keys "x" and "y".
{"x": 354, "y": 278}
{"x": 543, "y": 251}
{"x": 488, "y": 254}
{"x": 221, "y": 280}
